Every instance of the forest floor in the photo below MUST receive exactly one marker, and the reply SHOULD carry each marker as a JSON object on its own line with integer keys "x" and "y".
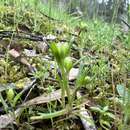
{"x": 62, "y": 74}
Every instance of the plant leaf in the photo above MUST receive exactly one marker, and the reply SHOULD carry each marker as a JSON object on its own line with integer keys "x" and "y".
{"x": 105, "y": 124}
{"x": 123, "y": 92}
{"x": 110, "y": 115}
{"x": 105, "y": 108}
{"x": 96, "y": 109}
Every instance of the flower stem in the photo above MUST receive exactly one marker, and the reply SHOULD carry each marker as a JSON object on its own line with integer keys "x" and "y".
{"x": 49, "y": 115}
{"x": 65, "y": 85}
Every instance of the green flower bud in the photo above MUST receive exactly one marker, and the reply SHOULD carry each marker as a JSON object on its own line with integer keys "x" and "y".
{"x": 68, "y": 63}
{"x": 83, "y": 25}
{"x": 10, "y": 94}
{"x": 55, "y": 51}
{"x": 60, "y": 51}
{"x": 87, "y": 79}
{"x": 65, "y": 49}
{"x": 83, "y": 80}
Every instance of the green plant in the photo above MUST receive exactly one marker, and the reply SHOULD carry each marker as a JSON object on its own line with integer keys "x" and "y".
{"x": 104, "y": 116}
{"x": 100, "y": 50}
{"x": 65, "y": 64}
{"x": 10, "y": 95}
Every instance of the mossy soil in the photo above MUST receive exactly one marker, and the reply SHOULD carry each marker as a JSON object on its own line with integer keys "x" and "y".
{"x": 105, "y": 49}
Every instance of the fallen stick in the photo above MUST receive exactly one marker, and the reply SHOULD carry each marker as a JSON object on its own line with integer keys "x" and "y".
{"x": 29, "y": 36}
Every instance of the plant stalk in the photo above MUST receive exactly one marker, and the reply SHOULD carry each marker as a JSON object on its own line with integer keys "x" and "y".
{"x": 49, "y": 115}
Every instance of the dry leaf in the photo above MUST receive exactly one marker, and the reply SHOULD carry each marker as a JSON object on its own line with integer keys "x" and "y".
{"x": 14, "y": 53}
{"x": 56, "y": 95}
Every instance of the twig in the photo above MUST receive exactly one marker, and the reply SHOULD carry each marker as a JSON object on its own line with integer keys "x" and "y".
{"x": 50, "y": 17}
{"x": 27, "y": 36}
{"x": 125, "y": 22}
{"x": 29, "y": 93}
